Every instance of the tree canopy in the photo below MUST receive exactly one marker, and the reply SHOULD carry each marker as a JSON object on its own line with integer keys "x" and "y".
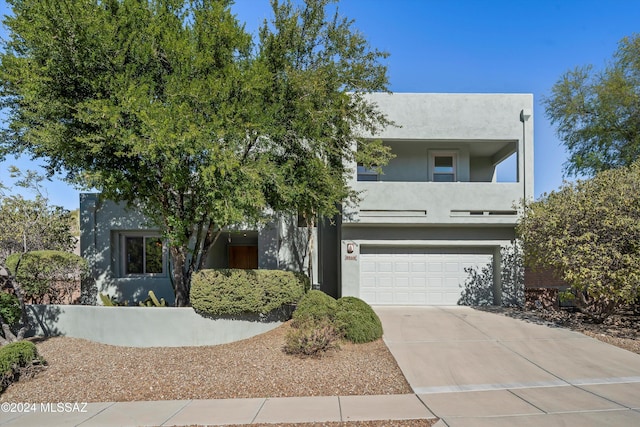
{"x": 32, "y": 224}
{"x": 597, "y": 113}
{"x": 172, "y": 104}
{"x": 589, "y": 233}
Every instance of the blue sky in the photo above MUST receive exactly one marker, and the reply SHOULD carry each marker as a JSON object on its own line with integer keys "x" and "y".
{"x": 459, "y": 46}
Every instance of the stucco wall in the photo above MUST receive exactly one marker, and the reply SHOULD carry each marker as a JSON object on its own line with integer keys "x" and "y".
{"x": 281, "y": 245}
{"x": 451, "y": 119}
{"x": 141, "y": 326}
{"x": 407, "y": 210}
{"x": 101, "y": 221}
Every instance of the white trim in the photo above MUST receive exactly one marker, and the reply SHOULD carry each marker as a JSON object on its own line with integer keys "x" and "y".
{"x": 443, "y": 153}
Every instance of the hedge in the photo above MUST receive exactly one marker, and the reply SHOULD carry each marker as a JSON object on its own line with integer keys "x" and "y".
{"x": 228, "y": 292}
{"x": 16, "y": 359}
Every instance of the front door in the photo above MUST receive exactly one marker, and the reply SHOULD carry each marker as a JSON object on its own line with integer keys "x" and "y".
{"x": 244, "y": 257}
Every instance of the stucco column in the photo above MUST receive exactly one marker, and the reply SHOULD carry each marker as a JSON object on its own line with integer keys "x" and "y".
{"x": 88, "y": 206}
{"x": 525, "y": 167}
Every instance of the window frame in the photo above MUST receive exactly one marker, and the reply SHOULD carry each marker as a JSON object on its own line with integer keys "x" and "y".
{"x": 122, "y": 241}
{"x": 432, "y": 164}
{"x": 362, "y": 171}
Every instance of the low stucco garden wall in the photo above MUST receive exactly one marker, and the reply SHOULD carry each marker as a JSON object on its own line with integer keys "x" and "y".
{"x": 141, "y": 326}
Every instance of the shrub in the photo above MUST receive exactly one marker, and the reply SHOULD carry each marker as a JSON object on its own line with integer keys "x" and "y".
{"x": 589, "y": 232}
{"x": 357, "y": 321}
{"x": 48, "y": 276}
{"x": 312, "y": 337}
{"x": 315, "y": 306}
{"x": 10, "y": 308}
{"x": 232, "y": 292}
{"x": 18, "y": 359}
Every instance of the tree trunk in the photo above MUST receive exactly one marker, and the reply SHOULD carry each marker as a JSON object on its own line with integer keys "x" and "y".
{"x": 181, "y": 277}
{"x": 310, "y": 244}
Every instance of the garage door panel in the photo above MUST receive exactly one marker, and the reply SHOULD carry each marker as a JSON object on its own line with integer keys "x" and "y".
{"x": 401, "y": 267}
{"x": 401, "y": 282}
{"x": 367, "y": 266}
{"x": 419, "y": 282}
{"x": 416, "y": 276}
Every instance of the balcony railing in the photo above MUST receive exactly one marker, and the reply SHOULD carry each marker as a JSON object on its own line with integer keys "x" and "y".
{"x": 436, "y": 203}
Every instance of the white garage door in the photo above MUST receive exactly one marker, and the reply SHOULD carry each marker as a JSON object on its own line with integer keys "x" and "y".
{"x": 416, "y": 276}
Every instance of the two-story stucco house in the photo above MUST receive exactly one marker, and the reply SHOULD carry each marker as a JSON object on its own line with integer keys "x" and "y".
{"x": 438, "y": 207}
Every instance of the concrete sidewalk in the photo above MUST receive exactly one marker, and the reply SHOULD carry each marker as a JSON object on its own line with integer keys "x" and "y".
{"x": 230, "y": 411}
{"x": 473, "y": 368}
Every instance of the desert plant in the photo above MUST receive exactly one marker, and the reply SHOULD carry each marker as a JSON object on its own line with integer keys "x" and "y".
{"x": 228, "y": 292}
{"x": 312, "y": 337}
{"x": 152, "y": 301}
{"x": 108, "y": 301}
{"x": 18, "y": 359}
{"x": 357, "y": 321}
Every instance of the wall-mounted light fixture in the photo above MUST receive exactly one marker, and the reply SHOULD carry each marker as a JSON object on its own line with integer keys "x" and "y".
{"x": 350, "y": 247}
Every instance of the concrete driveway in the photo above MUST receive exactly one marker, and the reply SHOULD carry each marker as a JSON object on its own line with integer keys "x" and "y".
{"x": 474, "y": 368}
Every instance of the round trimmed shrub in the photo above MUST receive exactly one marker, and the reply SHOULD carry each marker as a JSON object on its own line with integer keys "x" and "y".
{"x": 315, "y": 306}
{"x": 357, "y": 320}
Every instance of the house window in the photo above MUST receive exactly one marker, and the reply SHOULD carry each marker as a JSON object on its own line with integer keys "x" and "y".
{"x": 365, "y": 174}
{"x": 143, "y": 255}
{"x": 443, "y": 167}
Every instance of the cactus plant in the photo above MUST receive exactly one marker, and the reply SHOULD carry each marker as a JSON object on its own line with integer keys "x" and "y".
{"x": 108, "y": 301}
{"x": 152, "y": 301}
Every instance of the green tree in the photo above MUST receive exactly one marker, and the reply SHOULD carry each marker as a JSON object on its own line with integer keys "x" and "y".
{"x": 32, "y": 224}
{"x": 169, "y": 105}
{"x": 320, "y": 69}
{"x": 597, "y": 114}
{"x": 589, "y": 232}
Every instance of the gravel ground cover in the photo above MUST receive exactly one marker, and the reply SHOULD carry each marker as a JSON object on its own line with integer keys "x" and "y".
{"x": 84, "y": 371}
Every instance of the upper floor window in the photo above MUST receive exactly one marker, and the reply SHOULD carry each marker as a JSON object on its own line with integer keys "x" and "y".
{"x": 443, "y": 167}
{"x": 365, "y": 174}
{"x": 143, "y": 254}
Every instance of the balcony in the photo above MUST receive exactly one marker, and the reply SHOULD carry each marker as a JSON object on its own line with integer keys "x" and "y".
{"x": 435, "y": 203}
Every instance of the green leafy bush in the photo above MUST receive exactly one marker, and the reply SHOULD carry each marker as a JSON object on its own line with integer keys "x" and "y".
{"x": 320, "y": 322}
{"x": 10, "y": 308}
{"x": 18, "y": 359}
{"x": 589, "y": 232}
{"x": 312, "y": 337}
{"x": 357, "y": 321}
{"x": 229, "y": 292}
{"x": 315, "y": 305}
{"x": 48, "y": 276}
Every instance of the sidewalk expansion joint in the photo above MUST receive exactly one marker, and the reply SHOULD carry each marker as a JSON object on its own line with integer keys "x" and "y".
{"x": 97, "y": 413}
{"x": 253, "y": 420}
